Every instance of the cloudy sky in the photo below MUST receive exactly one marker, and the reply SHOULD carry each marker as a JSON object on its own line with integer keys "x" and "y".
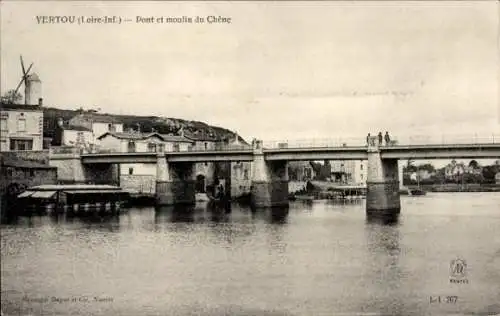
{"x": 288, "y": 70}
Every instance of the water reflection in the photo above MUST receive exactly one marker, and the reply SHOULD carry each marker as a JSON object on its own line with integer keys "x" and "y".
{"x": 386, "y": 219}
{"x": 384, "y": 270}
{"x": 274, "y": 215}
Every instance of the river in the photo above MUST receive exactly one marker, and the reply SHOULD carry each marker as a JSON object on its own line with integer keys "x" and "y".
{"x": 319, "y": 259}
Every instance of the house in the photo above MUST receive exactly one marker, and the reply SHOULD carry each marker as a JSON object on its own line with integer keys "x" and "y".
{"x": 16, "y": 174}
{"x": 300, "y": 171}
{"x": 21, "y": 127}
{"x": 202, "y": 140}
{"x": 99, "y": 124}
{"x": 454, "y": 169}
{"x": 140, "y": 177}
{"x": 142, "y": 142}
{"x": 352, "y": 172}
{"x": 67, "y": 135}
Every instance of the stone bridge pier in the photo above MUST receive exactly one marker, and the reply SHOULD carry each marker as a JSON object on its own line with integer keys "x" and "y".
{"x": 175, "y": 182}
{"x": 269, "y": 180}
{"x": 382, "y": 184}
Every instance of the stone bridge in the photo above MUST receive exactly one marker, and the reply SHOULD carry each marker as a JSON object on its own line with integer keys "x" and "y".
{"x": 175, "y": 178}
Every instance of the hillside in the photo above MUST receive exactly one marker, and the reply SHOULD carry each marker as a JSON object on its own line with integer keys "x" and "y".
{"x": 162, "y": 125}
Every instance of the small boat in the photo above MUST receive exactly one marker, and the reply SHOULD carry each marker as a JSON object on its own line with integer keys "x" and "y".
{"x": 304, "y": 197}
{"x": 417, "y": 192}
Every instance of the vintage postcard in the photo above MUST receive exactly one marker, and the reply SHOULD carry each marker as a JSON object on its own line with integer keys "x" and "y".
{"x": 250, "y": 158}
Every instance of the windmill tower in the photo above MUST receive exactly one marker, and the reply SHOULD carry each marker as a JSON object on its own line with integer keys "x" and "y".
{"x": 32, "y": 86}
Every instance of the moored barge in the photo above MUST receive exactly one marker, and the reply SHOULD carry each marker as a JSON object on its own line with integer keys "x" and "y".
{"x": 73, "y": 199}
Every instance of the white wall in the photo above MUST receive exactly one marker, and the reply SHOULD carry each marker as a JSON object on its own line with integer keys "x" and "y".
{"x": 101, "y": 128}
{"x": 33, "y": 128}
{"x": 111, "y": 143}
{"x": 72, "y": 136}
{"x": 139, "y": 168}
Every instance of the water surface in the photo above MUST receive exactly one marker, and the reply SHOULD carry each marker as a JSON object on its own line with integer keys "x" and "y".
{"x": 320, "y": 259}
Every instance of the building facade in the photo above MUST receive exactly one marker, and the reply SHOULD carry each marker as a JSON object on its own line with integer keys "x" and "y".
{"x": 140, "y": 177}
{"x": 350, "y": 172}
{"x": 21, "y": 127}
{"x": 99, "y": 124}
{"x": 75, "y": 136}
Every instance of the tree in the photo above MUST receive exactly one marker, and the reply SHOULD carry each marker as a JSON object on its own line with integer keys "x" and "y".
{"x": 474, "y": 164}
{"x": 12, "y": 96}
{"x": 430, "y": 168}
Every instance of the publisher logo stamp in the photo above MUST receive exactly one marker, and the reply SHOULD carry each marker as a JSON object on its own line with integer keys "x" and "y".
{"x": 458, "y": 271}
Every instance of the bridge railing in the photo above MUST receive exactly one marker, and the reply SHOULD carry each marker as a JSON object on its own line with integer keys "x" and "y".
{"x": 316, "y": 143}
{"x": 396, "y": 140}
{"x": 449, "y": 139}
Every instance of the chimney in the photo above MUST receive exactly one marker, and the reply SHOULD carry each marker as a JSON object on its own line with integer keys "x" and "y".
{"x": 40, "y": 102}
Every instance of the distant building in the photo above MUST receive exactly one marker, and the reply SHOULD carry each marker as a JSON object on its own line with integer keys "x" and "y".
{"x": 300, "y": 171}
{"x": 142, "y": 142}
{"x": 351, "y": 172}
{"x": 497, "y": 178}
{"x": 21, "y": 127}
{"x": 78, "y": 136}
{"x": 141, "y": 177}
{"x": 99, "y": 124}
{"x": 16, "y": 174}
{"x": 455, "y": 169}
{"x": 421, "y": 174}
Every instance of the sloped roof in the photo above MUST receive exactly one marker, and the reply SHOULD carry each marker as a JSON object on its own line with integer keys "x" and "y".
{"x": 131, "y": 136}
{"x": 19, "y": 107}
{"x": 75, "y": 128}
{"x": 21, "y": 163}
{"x": 176, "y": 138}
{"x": 33, "y": 77}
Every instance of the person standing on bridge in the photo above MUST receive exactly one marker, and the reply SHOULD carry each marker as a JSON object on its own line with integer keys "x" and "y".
{"x": 368, "y": 140}
{"x": 387, "y": 139}
{"x": 380, "y": 139}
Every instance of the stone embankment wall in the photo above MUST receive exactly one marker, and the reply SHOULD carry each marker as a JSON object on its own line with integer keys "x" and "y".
{"x": 138, "y": 184}
{"x": 40, "y": 156}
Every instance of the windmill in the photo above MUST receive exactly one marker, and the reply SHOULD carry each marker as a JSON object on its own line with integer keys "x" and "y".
{"x": 24, "y": 79}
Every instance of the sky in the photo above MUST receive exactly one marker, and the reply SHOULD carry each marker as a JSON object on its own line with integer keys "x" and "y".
{"x": 279, "y": 70}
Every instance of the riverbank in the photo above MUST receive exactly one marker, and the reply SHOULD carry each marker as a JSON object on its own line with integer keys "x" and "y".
{"x": 452, "y": 187}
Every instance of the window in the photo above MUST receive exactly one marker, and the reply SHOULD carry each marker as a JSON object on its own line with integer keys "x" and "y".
{"x": 161, "y": 148}
{"x": 151, "y": 147}
{"x": 21, "y": 125}
{"x": 245, "y": 174}
{"x": 206, "y": 146}
{"x": 361, "y": 177}
{"x": 111, "y": 128}
{"x": 32, "y": 173}
{"x": 3, "y": 125}
{"x": 130, "y": 171}
{"x": 361, "y": 167}
{"x": 21, "y": 144}
{"x": 131, "y": 147}
{"x": 176, "y": 147}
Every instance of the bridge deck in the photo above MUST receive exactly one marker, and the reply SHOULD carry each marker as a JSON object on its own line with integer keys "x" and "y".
{"x": 437, "y": 151}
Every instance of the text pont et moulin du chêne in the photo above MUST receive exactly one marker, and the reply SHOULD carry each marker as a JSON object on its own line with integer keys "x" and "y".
{"x": 74, "y": 19}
